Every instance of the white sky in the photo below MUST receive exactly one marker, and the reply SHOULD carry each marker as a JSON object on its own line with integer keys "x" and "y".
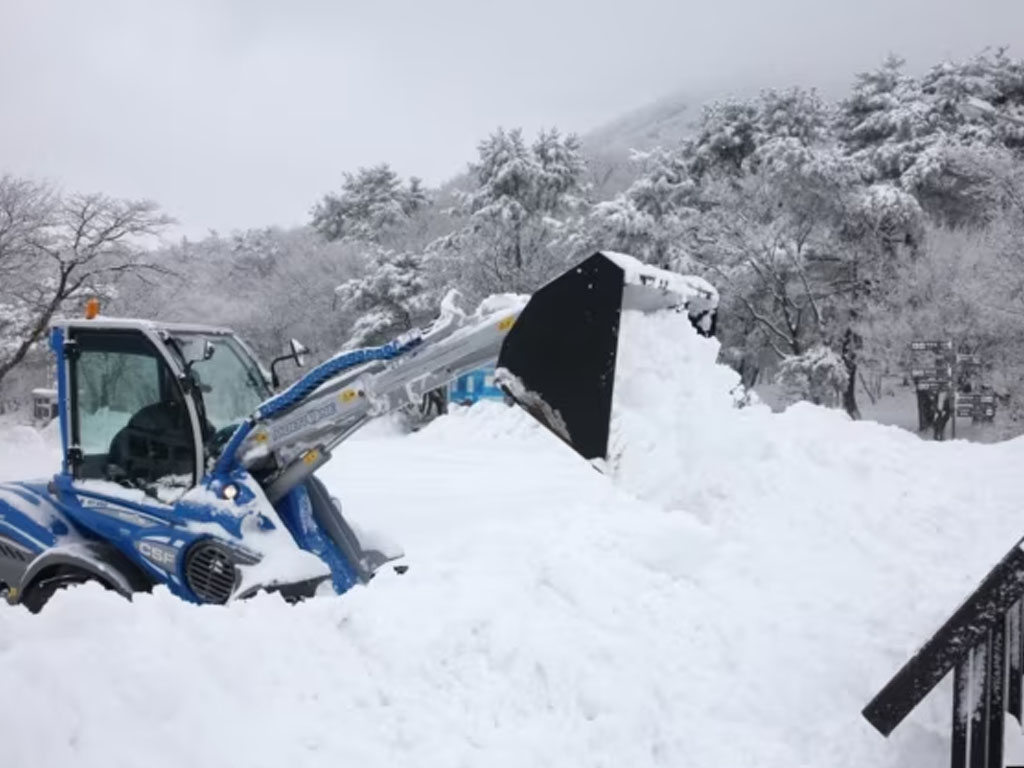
{"x": 237, "y": 113}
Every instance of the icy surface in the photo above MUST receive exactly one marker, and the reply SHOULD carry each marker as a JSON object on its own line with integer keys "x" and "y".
{"x": 732, "y": 592}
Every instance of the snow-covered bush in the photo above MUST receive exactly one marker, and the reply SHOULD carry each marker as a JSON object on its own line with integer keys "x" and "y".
{"x": 818, "y": 375}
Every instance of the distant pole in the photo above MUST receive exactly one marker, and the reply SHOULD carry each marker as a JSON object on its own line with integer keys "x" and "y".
{"x": 952, "y": 389}
{"x": 952, "y": 405}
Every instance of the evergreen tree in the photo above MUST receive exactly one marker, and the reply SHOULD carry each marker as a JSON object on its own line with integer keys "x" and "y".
{"x": 653, "y": 219}
{"x": 392, "y": 297}
{"x": 515, "y": 215}
{"x": 372, "y": 204}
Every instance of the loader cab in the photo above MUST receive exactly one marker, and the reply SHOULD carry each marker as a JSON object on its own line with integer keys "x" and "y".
{"x": 142, "y": 403}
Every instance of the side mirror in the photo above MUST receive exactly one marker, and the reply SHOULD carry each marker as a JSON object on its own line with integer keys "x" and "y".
{"x": 208, "y": 351}
{"x": 297, "y": 352}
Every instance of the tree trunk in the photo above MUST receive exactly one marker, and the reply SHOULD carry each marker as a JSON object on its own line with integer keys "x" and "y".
{"x": 850, "y": 361}
{"x": 750, "y": 372}
{"x": 925, "y": 410}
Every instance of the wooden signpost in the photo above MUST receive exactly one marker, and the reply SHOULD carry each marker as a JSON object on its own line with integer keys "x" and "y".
{"x": 937, "y": 369}
{"x": 933, "y": 371}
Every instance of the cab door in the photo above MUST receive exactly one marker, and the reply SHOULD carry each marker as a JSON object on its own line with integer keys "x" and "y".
{"x": 129, "y": 419}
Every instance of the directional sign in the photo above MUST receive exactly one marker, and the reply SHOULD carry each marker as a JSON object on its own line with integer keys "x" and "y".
{"x": 965, "y": 410}
{"x": 931, "y": 373}
{"x": 924, "y": 346}
{"x": 976, "y": 398}
{"x": 968, "y": 360}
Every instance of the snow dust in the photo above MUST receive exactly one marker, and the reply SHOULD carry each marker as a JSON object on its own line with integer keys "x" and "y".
{"x": 732, "y": 592}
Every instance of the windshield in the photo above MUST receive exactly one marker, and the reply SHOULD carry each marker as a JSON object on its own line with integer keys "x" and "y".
{"x": 230, "y": 381}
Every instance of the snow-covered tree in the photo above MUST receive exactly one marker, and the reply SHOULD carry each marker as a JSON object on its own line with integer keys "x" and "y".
{"x": 733, "y": 133}
{"x": 653, "y": 219}
{"x": 917, "y": 134}
{"x": 992, "y": 77}
{"x": 728, "y": 136}
{"x": 55, "y": 249}
{"x": 393, "y": 296}
{"x": 515, "y": 213}
{"x": 659, "y": 218}
{"x": 372, "y": 203}
{"x": 819, "y": 375}
{"x": 269, "y": 284}
{"x": 886, "y": 121}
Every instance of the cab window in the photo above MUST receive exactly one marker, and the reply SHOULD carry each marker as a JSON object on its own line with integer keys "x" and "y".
{"x": 129, "y": 416}
{"x": 230, "y": 382}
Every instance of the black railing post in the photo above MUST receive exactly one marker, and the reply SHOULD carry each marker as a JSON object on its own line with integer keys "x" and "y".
{"x": 1015, "y": 660}
{"x": 983, "y": 644}
{"x": 977, "y": 751}
{"x": 996, "y": 689}
{"x": 961, "y": 714}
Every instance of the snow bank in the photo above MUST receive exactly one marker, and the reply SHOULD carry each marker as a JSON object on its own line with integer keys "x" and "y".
{"x": 28, "y": 453}
{"x": 735, "y": 596}
{"x": 841, "y": 546}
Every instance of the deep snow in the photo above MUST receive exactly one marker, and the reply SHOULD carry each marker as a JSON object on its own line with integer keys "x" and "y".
{"x": 732, "y": 592}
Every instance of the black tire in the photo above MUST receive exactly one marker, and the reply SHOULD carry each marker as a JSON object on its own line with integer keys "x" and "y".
{"x": 38, "y": 593}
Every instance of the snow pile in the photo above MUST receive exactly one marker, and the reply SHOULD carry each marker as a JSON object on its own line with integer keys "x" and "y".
{"x": 673, "y": 408}
{"x": 27, "y": 453}
{"x": 839, "y": 546}
{"x": 486, "y": 420}
{"x": 772, "y": 574}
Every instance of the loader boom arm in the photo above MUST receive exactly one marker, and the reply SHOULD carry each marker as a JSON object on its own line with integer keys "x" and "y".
{"x": 300, "y": 426}
{"x": 556, "y": 353}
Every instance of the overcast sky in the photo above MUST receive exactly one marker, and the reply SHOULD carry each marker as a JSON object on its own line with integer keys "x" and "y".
{"x": 238, "y": 113}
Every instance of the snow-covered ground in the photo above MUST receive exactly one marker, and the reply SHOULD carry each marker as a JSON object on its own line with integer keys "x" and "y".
{"x": 731, "y": 592}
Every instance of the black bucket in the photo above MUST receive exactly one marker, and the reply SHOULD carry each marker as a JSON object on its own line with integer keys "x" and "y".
{"x": 558, "y": 360}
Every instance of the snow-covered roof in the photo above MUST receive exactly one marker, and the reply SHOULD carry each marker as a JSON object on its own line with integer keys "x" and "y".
{"x": 138, "y": 324}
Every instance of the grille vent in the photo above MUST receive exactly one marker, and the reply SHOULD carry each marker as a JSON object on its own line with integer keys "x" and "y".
{"x": 210, "y": 572}
{"x": 13, "y": 552}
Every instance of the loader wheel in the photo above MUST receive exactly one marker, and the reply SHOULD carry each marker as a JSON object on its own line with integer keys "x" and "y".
{"x": 38, "y": 593}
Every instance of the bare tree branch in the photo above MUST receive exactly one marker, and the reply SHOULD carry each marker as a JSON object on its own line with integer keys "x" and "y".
{"x": 53, "y": 249}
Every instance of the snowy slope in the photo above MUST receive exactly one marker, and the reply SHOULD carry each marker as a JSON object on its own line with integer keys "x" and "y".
{"x": 733, "y": 592}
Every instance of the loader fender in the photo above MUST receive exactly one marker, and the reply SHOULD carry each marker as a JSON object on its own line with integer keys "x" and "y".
{"x": 94, "y": 559}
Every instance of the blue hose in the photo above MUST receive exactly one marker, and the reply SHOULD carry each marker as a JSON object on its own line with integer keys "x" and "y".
{"x": 301, "y": 389}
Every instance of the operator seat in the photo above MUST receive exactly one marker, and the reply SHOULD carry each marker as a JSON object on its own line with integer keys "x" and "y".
{"x": 155, "y": 443}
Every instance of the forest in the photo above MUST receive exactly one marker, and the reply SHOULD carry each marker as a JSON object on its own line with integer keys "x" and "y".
{"x": 837, "y": 231}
